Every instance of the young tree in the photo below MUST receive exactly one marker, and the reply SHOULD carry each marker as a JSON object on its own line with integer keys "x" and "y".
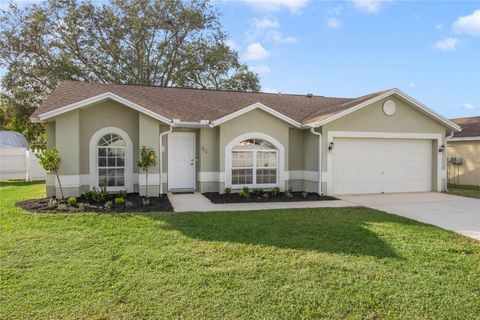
{"x": 147, "y": 160}
{"x": 50, "y": 161}
{"x": 146, "y": 42}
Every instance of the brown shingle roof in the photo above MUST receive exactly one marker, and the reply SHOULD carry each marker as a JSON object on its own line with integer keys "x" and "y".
{"x": 470, "y": 127}
{"x": 195, "y": 104}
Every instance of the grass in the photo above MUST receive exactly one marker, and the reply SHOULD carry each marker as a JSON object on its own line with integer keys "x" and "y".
{"x": 465, "y": 191}
{"x": 286, "y": 264}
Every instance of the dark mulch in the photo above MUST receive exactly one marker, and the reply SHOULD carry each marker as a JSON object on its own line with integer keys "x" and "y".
{"x": 156, "y": 204}
{"x": 216, "y": 197}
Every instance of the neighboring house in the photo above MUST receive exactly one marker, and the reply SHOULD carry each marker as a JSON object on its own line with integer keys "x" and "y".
{"x": 464, "y": 153}
{"x": 209, "y": 140}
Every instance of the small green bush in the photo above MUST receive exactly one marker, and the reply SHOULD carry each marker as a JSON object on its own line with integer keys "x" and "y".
{"x": 128, "y": 204}
{"x": 257, "y": 191}
{"x": 108, "y": 205}
{"x": 304, "y": 195}
{"x": 227, "y": 191}
{"x": 93, "y": 195}
{"x": 266, "y": 195}
{"x": 119, "y": 200}
{"x": 72, "y": 201}
{"x": 288, "y": 194}
{"x": 243, "y": 194}
{"x": 275, "y": 191}
{"x": 145, "y": 201}
{"x": 62, "y": 207}
{"x": 104, "y": 195}
{"x": 246, "y": 189}
{"x": 52, "y": 203}
{"x": 122, "y": 194}
{"x": 82, "y": 206}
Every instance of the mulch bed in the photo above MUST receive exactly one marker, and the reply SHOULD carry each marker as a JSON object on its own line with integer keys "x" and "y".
{"x": 216, "y": 197}
{"x": 156, "y": 204}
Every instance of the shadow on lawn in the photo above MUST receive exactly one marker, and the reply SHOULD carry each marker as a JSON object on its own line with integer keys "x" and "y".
{"x": 343, "y": 231}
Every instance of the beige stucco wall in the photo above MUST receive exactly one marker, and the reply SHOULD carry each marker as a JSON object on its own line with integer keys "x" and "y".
{"x": 469, "y": 172}
{"x": 107, "y": 114}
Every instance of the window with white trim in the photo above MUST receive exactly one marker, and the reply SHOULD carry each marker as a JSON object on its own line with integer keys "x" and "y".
{"x": 254, "y": 163}
{"x": 111, "y": 162}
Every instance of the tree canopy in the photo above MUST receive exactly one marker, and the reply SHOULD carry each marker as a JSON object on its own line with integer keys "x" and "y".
{"x": 147, "y": 42}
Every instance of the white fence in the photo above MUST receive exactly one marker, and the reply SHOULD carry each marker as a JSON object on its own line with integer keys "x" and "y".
{"x": 19, "y": 163}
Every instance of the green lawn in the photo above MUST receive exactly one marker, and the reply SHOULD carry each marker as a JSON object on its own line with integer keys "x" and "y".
{"x": 309, "y": 263}
{"x": 465, "y": 191}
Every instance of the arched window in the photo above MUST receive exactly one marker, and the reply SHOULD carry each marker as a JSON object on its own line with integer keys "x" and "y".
{"x": 254, "y": 163}
{"x": 111, "y": 162}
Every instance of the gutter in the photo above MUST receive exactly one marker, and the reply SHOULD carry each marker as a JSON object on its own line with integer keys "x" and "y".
{"x": 161, "y": 157}
{"x": 320, "y": 147}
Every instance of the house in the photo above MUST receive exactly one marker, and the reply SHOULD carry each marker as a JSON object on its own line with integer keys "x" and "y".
{"x": 464, "y": 153}
{"x": 208, "y": 140}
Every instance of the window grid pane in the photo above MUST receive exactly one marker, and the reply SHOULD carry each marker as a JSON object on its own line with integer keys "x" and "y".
{"x": 111, "y": 161}
{"x": 254, "y": 162}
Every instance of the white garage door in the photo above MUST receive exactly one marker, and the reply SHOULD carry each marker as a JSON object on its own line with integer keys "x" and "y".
{"x": 381, "y": 165}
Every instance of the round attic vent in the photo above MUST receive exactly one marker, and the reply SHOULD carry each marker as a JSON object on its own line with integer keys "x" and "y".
{"x": 389, "y": 107}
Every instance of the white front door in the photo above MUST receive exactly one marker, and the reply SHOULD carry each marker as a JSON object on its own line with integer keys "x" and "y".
{"x": 181, "y": 160}
{"x": 381, "y": 165}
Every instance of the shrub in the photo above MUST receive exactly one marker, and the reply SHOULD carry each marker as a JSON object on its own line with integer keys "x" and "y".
{"x": 82, "y": 206}
{"x": 266, "y": 195}
{"x": 104, "y": 195}
{"x": 246, "y": 189}
{"x": 93, "y": 195}
{"x": 147, "y": 160}
{"x": 243, "y": 194}
{"x": 304, "y": 195}
{"x": 145, "y": 201}
{"x": 275, "y": 191}
{"x": 108, "y": 205}
{"x": 50, "y": 161}
{"x": 289, "y": 193}
{"x": 72, "y": 201}
{"x": 52, "y": 203}
{"x": 62, "y": 207}
{"x": 119, "y": 200}
{"x": 128, "y": 204}
{"x": 122, "y": 194}
{"x": 227, "y": 191}
{"x": 257, "y": 191}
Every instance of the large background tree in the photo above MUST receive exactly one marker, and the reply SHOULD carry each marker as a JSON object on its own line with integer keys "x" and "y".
{"x": 147, "y": 42}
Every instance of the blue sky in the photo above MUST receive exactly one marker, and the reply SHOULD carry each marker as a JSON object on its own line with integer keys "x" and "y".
{"x": 351, "y": 48}
{"x": 430, "y": 50}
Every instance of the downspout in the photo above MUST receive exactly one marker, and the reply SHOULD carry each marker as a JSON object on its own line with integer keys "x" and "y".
{"x": 446, "y": 159}
{"x": 161, "y": 157}
{"x": 320, "y": 147}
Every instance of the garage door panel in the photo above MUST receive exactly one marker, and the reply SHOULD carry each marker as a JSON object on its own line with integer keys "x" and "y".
{"x": 381, "y": 165}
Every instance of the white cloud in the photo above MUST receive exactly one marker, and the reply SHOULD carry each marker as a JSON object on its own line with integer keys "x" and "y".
{"x": 468, "y": 24}
{"x": 335, "y": 11}
{"x": 333, "y": 22}
{"x": 256, "y": 51}
{"x": 370, "y": 6}
{"x": 294, "y": 6}
{"x": 260, "y": 69}
{"x": 448, "y": 44}
{"x": 265, "y": 23}
{"x": 469, "y": 106}
{"x": 439, "y": 26}
{"x": 412, "y": 85}
{"x": 266, "y": 28}
{"x": 278, "y": 37}
{"x": 232, "y": 44}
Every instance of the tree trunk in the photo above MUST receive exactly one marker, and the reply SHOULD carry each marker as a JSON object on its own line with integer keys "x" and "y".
{"x": 60, "y": 185}
{"x": 146, "y": 183}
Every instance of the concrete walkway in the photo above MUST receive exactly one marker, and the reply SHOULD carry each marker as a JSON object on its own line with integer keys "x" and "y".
{"x": 197, "y": 202}
{"x": 459, "y": 214}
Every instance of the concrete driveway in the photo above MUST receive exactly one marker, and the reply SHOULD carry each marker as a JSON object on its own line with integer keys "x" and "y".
{"x": 459, "y": 214}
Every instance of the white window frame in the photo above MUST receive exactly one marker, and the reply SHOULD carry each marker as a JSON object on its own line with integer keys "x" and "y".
{"x": 254, "y": 168}
{"x": 93, "y": 156}
{"x": 116, "y": 188}
{"x": 280, "y": 161}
